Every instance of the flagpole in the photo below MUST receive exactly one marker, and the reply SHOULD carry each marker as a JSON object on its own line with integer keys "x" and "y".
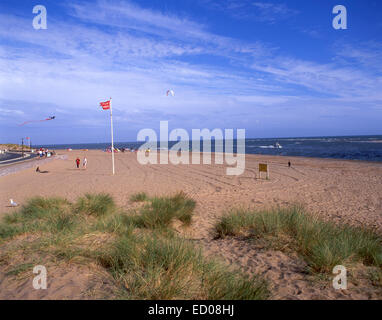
{"x": 112, "y": 137}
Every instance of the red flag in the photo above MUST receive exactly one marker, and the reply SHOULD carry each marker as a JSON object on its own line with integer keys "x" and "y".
{"x": 105, "y": 105}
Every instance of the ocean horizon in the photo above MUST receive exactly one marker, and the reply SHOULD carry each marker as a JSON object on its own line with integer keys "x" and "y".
{"x": 365, "y": 147}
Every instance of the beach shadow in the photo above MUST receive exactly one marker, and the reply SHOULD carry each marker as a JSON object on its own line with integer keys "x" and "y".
{"x": 298, "y": 171}
{"x": 43, "y": 171}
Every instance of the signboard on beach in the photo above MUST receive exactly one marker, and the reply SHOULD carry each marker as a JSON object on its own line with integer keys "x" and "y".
{"x": 263, "y": 167}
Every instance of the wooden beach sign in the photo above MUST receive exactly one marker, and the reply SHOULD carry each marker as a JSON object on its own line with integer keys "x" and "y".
{"x": 263, "y": 167}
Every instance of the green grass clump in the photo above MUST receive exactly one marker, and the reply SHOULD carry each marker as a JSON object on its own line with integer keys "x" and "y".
{"x": 21, "y": 268}
{"x": 8, "y": 231}
{"x": 157, "y": 214}
{"x": 139, "y": 248}
{"x": 62, "y": 222}
{"x": 118, "y": 223}
{"x": 224, "y": 284}
{"x": 139, "y": 197}
{"x": 157, "y": 268}
{"x": 95, "y": 204}
{"x": 161, "y": 211}
{"x": 38, "y": 214}
{"x": 38, "y": 208}
{"x": 322, "y": 245}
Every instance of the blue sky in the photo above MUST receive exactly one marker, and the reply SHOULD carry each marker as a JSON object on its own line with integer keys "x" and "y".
{"x": 275, "y": 68}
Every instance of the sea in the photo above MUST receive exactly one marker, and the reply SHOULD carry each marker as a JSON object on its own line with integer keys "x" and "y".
{"x": 368, "y": 148}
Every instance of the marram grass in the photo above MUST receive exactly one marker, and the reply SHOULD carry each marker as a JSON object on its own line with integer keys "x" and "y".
{"x": 321, "y": 244}
{"x": 139, "y": 197}
{"x": 139, "y": 248}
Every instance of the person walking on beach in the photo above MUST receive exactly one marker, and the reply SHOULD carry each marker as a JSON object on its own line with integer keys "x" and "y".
{"x": 78, "y": 162}
{"x": 84, "y": 163}
{"x": 289, "y": 164}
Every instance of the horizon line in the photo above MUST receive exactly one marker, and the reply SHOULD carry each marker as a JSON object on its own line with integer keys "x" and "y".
{"x": 258, "y": 138}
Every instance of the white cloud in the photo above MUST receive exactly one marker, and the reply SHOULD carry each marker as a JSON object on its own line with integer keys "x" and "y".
{"x": 365, "y": 54}
{"x": 128, "y": 16}
{"x": 74, "y": 66}
{"x": 11, "y": 111}
{"x": 337, "y": 80}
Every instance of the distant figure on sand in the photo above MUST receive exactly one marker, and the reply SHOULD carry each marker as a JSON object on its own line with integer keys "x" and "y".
{"x": 289, "y": 164}
{"x": 84, "y": 163}
{"x": 39, "y": 171}
{"x": 78, "y": 162}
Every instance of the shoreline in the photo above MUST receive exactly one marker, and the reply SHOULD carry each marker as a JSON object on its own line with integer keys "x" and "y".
{"x": 251, "y": 155}
{"x": 355, "y": 148}
{"x": 246, "y": 154}
{"x": 62, "y": 154}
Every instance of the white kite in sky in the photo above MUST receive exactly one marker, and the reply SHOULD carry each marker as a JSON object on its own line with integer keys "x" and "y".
{"x": 170, "y": 92}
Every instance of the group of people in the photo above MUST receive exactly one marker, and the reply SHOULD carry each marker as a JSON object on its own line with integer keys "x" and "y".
{"x": 45, "y": 153}
{"x": 121, "y": 150}
{"x": 84, "y": 162}
{"x": 128, "y": 149}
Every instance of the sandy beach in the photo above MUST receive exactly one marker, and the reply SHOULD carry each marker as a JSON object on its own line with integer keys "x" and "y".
{"x": 341, "y": 191}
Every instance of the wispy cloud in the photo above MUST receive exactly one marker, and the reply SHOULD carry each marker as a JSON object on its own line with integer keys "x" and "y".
{"x": 366, "y": 54}
{"x": 272, "y": 12}
{"x": 248, "y": 9}
{"x": 135, "y": 54}
{"x": 162, "y": 27}
{"x": 332, "y": 79}
{"x": 11, "y": 111}
{"x": 131, "y": 16}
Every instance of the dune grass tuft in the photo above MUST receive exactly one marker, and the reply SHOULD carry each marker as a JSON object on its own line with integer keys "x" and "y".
{"x": 38, "y": 208}
{"x": 8, "y": 231}
{"x": 156, "y": 268}
{"x": 95, "y": 204}
{"x": 321, "y": 244}
{"x": 38, "y": 214}
{"x": 21, "y": 268}
{"x": 139, "y": 248}
{"x": 139, "y": 197}
{"x": 161, "y": 211}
